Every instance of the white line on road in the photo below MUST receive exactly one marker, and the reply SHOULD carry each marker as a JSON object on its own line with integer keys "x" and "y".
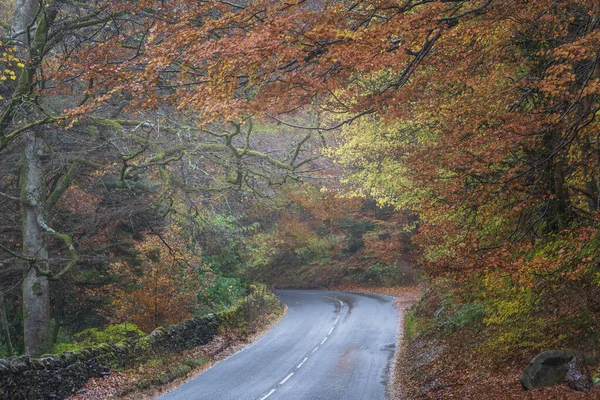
{"x": 316, "y": 348}
{"x": 268, "y": 394}
{"x": 324, "y": 340}
{"x": 331, "y": 330}
{"x": 286, "y": 378}
{"x": 302, "y": 363}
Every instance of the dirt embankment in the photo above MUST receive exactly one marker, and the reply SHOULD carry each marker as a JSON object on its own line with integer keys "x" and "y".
{"x": 435, "y": 364}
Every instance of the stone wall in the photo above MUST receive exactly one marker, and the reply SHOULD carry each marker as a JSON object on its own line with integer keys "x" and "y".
{"x": 58, "y": 376}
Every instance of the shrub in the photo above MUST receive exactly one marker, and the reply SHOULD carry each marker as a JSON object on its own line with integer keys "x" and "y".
{"x": 452, "y": 315}
{"x": 93, "y": 336}
{"x": 220, "y": 294}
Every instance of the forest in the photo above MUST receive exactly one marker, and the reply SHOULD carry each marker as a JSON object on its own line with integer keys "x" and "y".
{"x": 159, "y": 157}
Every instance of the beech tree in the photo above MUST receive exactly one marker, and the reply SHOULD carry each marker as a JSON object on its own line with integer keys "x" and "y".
{"x": 483, "y": 115}
{"x": 492, "y": 139}
{"x": 45, "y": 83}
{"x": 30, "y": 37}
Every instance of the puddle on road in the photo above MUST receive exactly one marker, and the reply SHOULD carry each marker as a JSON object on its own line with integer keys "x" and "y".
{"x": 386, "y": 373}
{"x": 348, "y": 300}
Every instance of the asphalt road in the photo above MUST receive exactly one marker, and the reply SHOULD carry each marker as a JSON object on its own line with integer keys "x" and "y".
{"x": 329, "y": 345}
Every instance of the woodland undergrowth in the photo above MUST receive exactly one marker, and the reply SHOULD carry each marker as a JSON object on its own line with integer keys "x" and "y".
{"x": 458, "y": 346}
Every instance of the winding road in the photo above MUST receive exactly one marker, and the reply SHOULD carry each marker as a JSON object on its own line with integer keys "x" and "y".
{"x": 329, "y": 345}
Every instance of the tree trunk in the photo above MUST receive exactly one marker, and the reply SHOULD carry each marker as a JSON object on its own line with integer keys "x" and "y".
{"x": 58, "y": 309}
{"x": 36, "y": 290}
{"x": 29, "y": 35}
{"x": 4, "y": 323}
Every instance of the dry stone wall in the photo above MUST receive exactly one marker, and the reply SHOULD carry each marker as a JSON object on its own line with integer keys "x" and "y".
{"x": 58, "y": 376}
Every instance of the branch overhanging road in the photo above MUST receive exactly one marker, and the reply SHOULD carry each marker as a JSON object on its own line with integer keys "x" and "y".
{"x": 329, "y": 345}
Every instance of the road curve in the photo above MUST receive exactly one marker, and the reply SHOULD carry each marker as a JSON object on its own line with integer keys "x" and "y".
{"x": 329, "y": 345}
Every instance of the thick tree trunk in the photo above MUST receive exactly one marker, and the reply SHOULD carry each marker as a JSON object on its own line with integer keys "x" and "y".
{"x": 25, "y": 11}
{"x": 36, "y": 290}
{"x": 29, "y": 31}
{"x": 36, "y": 314}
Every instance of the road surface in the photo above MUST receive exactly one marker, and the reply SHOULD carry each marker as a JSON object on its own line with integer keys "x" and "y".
{"x": 329, "y": 345}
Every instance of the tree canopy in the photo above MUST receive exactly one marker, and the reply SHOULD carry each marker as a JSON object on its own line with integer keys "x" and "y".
{"x": 479, "y": 117}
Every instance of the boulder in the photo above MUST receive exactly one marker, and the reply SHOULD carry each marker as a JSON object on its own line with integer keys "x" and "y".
{"x": 557, "y": 366}
{"x": 578, "y": 375}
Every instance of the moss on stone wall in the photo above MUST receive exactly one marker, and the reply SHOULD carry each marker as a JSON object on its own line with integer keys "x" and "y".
{"x": 58, "y": 376}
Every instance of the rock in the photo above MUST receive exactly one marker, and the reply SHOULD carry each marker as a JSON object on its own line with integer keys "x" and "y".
{"x": 4, "y": 366}
{"x": 557, "y": 366}
{"x": 19, "y": 364}
{"x": 578, "y": 375}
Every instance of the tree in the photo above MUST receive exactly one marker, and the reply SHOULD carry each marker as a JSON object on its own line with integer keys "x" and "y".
{"x": 38, "y": 40}
{"x": 483, "y": 200}
{"x": 64, "y": 153}
{"x": 28, "y": 31}
{"x": 483, "y": 114}
{"x": 160, "y": 286}
{"x": 180, "y": 90}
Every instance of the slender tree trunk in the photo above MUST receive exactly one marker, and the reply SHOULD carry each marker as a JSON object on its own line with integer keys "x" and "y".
{"x": 4, "y": 323}
{"x": 36, "y": 289}
{"x": 58, "y": 308}
{"x": 559, "y": 207}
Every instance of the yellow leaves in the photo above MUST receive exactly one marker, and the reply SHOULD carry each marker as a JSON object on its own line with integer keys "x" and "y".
{"x": 346, "y": 34}
{"x": 511, "y": 306}
{"x": 378, "y": 153}
{"x": 10, "y": 61}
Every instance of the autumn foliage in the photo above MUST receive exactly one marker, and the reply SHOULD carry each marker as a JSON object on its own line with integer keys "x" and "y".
{"x": 159, "y": 287}
{"x": 475, "y": 121}
{"x": 486, "y": 110}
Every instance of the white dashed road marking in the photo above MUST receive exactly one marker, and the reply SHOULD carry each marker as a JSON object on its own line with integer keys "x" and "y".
{"x": 268, "y": 394}
{"x": 306, "y": 358}
{"x": 302, "y": 363}
{"x": 286, "y": 378}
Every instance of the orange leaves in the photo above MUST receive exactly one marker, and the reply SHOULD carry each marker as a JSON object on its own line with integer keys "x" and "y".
{"x": 160, "y": 287}
{"x": 79, "y": 200}
{"x": 485, "y": 111}
{"x": 558, "y": 80}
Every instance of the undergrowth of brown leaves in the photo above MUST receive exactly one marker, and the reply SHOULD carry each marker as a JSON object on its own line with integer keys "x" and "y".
{"x": 441, "y": 365}
{"x": 401, "y": 292}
